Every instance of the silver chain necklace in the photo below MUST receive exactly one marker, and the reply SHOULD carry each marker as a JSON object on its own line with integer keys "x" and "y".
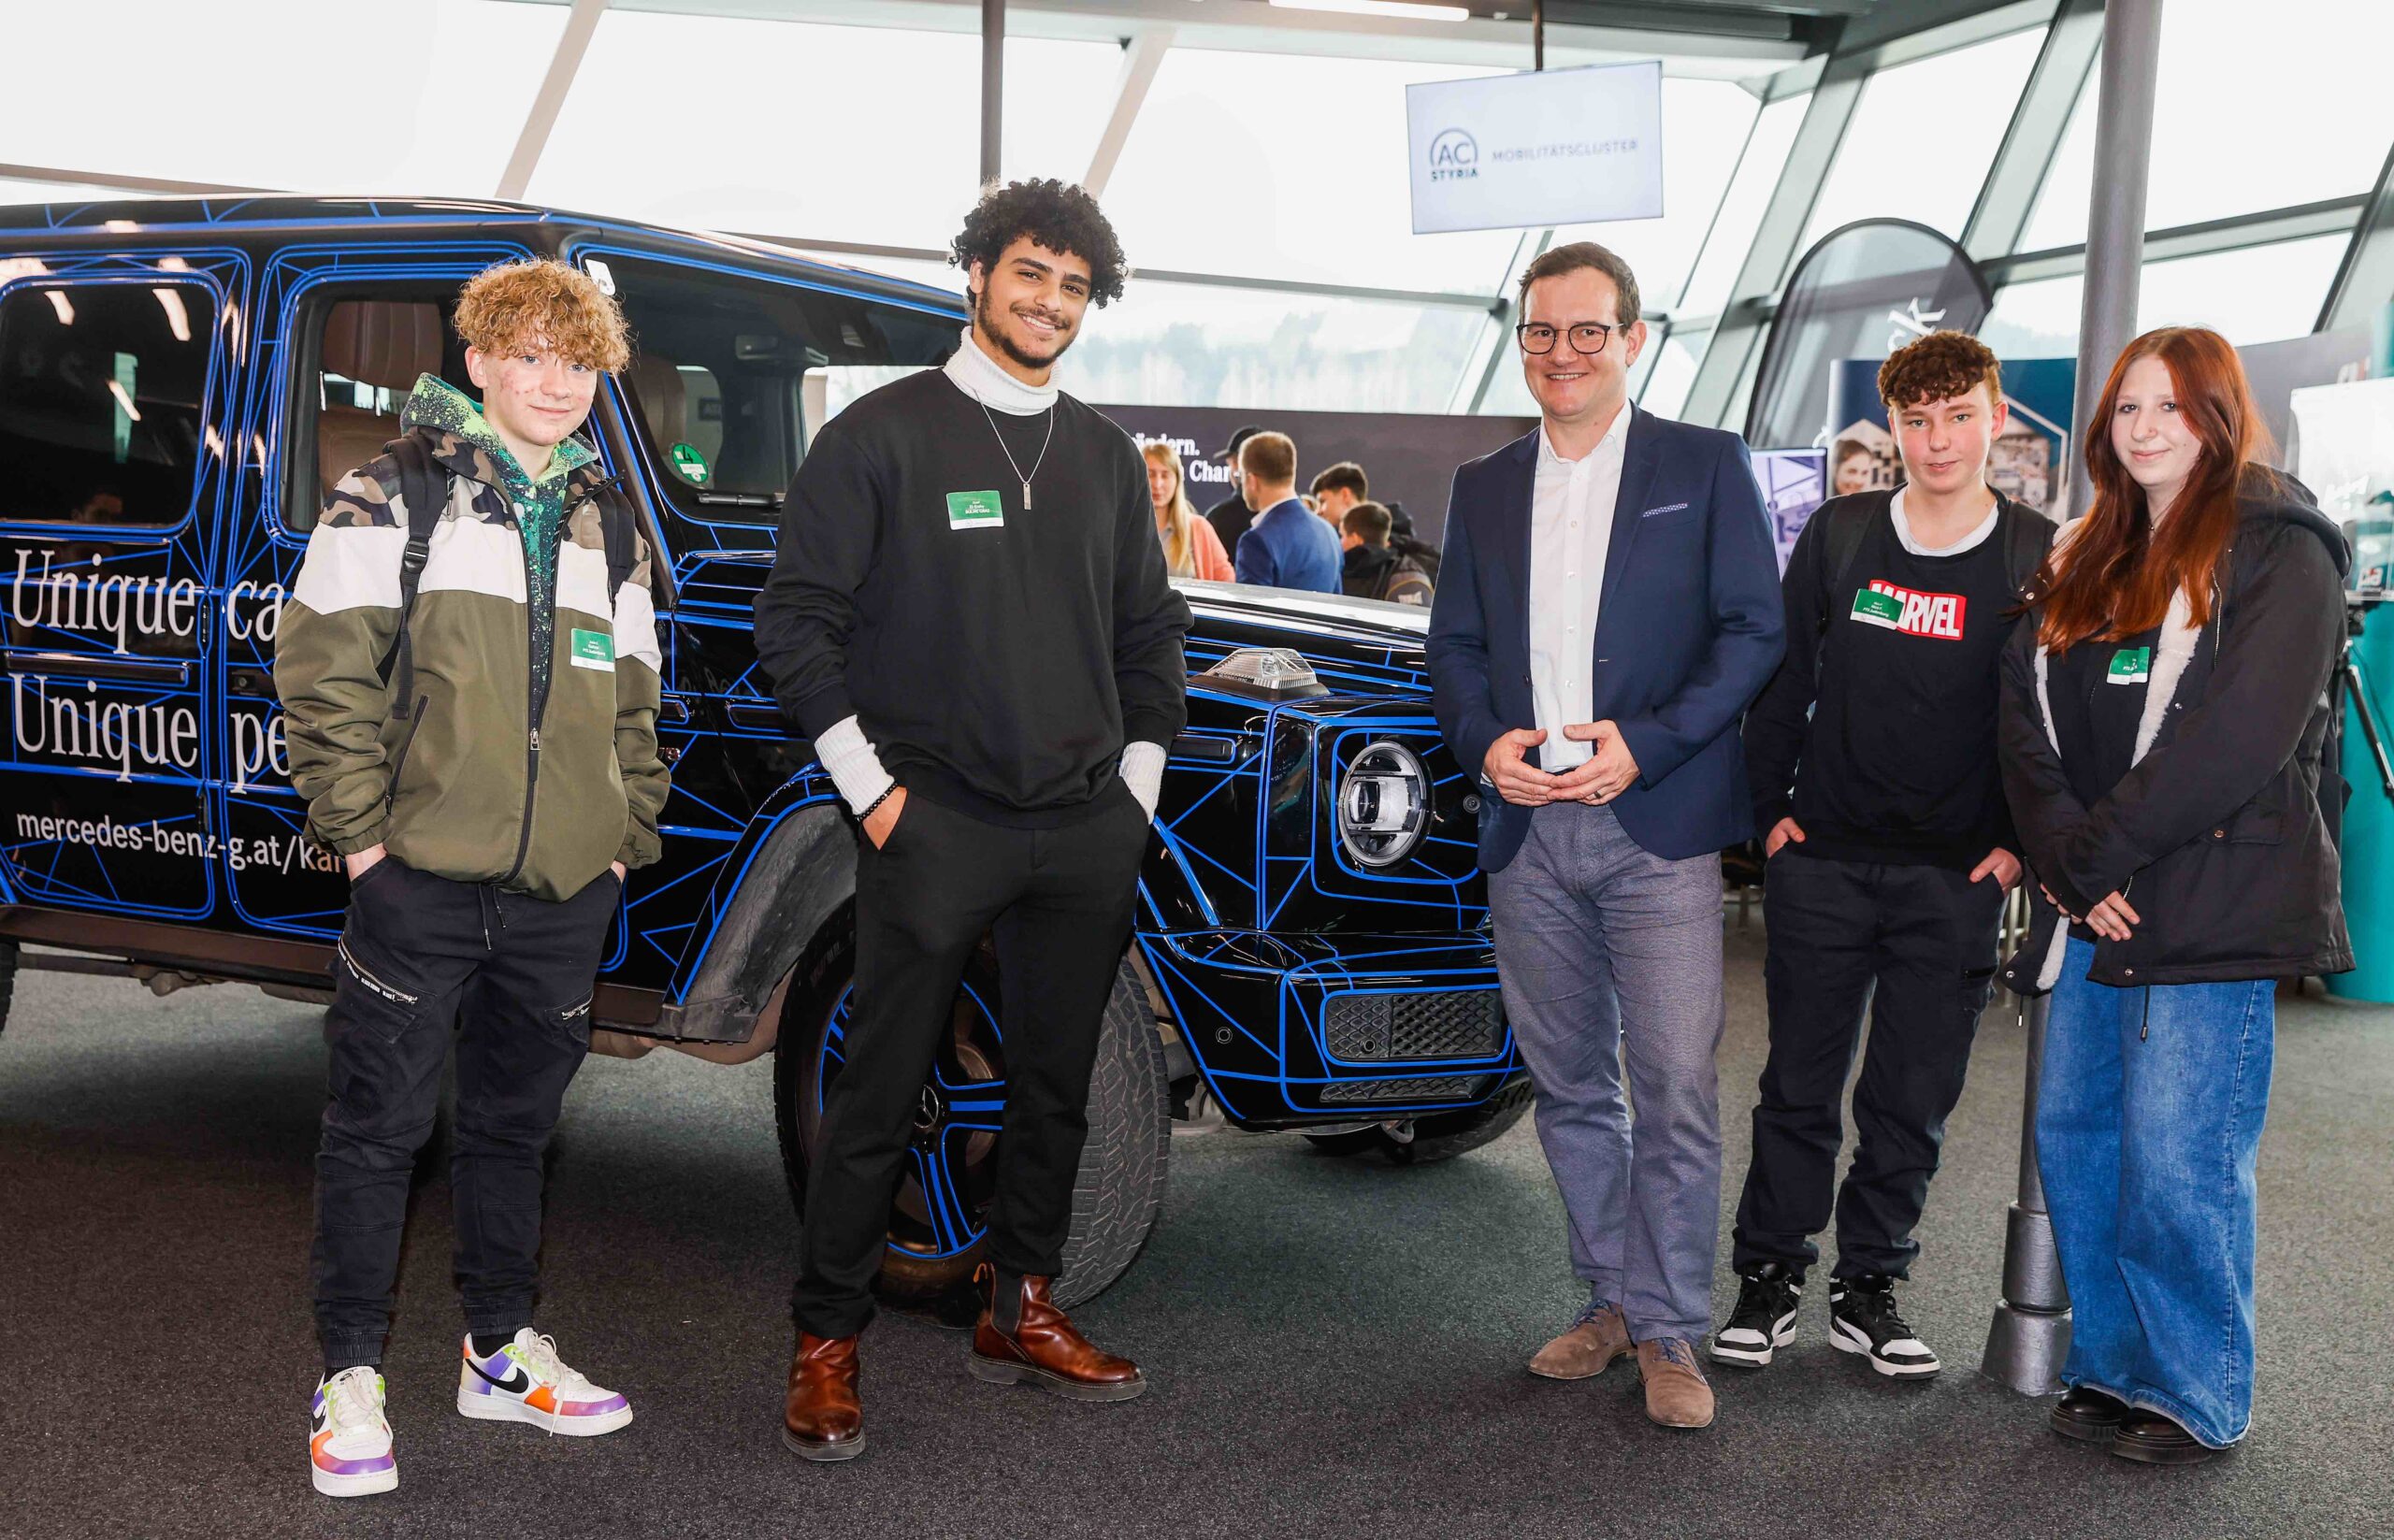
{"x": 1011, "y": 463}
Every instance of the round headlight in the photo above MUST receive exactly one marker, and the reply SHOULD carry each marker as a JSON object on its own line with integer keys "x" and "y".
{"x": 1383, "y": 804}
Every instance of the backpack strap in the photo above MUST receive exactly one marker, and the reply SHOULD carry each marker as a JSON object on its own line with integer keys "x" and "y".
{"x": 620, "y": 526}
{"x": 2025, "y": 544}
{"x": 424, "y": 487}
{"x": 1844, "y": 521}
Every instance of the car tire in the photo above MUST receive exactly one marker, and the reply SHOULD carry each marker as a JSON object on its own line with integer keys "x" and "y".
{"x": 1440, "y": 1136}
{"x": 1117, "y": 1195}
{"x": 8, "y": 979}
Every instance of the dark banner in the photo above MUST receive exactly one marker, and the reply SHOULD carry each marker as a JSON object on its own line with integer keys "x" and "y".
{"x": 1409, "y": 458}
{"x": 1863, "y": 291}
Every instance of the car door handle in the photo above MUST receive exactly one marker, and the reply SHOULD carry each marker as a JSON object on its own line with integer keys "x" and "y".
{"x": 756, "y": 716}
{"x": 673, "y": 711}
{"x": 142, "y": 670}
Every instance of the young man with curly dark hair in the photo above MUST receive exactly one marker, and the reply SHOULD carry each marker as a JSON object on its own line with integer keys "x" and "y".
{"x": 1872, "y": 764}
{"x": 970, "y": 617}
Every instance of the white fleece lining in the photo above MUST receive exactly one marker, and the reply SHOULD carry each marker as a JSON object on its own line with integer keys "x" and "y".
{"x": 2171, "y": 654}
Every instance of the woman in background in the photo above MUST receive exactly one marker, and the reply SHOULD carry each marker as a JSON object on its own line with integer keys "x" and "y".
{"x": 2161, "y": 734}
{"x": 1191, "y": 547}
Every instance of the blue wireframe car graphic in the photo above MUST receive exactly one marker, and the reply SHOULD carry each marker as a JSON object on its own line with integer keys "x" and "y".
{"x": 181, "y": 382}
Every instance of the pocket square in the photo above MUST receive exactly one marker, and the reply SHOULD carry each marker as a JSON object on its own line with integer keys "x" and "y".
{"x": 1667, "y": 508}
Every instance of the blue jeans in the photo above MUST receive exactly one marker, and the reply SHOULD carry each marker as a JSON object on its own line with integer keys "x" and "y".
{"x": 2148, "y": 1125}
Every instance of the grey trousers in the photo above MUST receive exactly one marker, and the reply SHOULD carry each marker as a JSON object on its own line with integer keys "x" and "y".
{"x": 1608, "y": 956}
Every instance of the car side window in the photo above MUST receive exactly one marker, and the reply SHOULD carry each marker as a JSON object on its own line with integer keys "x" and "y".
{"x": 102, "y": 391}
{"x": 368, "y": 351}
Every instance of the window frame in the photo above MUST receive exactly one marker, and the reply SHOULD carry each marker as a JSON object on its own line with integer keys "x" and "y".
{"x": 212, "y": 384}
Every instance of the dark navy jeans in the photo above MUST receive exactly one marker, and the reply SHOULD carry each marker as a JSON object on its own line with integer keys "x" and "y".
{"x": 2148, "y": 1125}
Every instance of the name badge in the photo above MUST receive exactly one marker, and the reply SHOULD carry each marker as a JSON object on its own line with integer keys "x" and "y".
{"x": 975, "y": 511}
{"x": 592, "y": 649}
{"x": 2130, "y": 666}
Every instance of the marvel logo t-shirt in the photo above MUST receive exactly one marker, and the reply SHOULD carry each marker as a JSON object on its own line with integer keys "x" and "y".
{"x": 1899, "y": 764}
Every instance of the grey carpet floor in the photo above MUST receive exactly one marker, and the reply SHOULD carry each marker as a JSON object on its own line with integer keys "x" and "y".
{"x": 1336, "y": 1347}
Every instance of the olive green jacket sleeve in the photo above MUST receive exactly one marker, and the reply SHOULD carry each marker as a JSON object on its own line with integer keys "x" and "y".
{"x": 337, "y": 708}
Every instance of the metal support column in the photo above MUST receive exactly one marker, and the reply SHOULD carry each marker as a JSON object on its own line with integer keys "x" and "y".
{"x": 2030, "y": 1338}
{"x": 993, "y": 85}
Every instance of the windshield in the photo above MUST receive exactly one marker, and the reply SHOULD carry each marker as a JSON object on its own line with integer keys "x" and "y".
{"x": 734, "y": 375}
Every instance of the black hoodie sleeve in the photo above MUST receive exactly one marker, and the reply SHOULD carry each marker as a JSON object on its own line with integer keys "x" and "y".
{"x": 2036, "y": 787}
{"x": 1777, "y": 720}
{"x": 2277, "y": 643}
{"x": 807, "y": 610}
{"x": 1151, "y": 618}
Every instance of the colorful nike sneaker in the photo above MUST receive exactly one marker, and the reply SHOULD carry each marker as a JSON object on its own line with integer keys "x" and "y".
{"x": 348, "y": 1440}
{"x": 527, "y": 1382}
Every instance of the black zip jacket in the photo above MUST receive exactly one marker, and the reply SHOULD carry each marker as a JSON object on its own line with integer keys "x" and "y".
{"x": 998, "y": 656}
{"x": 2217, "y": 836}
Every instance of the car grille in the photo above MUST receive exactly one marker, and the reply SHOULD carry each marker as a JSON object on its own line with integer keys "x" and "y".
{"x": 1465, "y": 1023}
{"x": 1453, "y": 1088}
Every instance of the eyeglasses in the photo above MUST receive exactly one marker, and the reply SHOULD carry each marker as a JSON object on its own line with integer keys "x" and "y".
{"x": 1587, "y": 337}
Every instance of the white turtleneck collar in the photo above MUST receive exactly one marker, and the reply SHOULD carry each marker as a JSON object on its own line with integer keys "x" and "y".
{"x": 981, "y": 377}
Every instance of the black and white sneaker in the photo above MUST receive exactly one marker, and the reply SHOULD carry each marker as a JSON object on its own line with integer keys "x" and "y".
{"x": 1862, "y": 1319}
{"x": 1765, "y": 1320}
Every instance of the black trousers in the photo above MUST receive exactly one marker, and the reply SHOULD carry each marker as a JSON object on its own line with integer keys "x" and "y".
{"x": 1916, "y": 944}
{"x": 1059, "y": 903}
{"x": 514, "y": 974}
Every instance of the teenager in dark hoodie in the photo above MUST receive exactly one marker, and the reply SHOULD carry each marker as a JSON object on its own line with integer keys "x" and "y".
{"x": 2162, "y": 743}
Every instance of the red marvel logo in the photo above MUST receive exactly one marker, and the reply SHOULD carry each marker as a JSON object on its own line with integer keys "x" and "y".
{"x": 1909, "y": 612}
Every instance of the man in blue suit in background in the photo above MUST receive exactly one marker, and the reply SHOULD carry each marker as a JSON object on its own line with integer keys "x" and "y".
{"x": 1287, "y": 546}
{"x": 1608, "y": 606}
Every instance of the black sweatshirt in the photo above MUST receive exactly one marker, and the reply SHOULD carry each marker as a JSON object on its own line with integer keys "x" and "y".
{"x": 1896, "y": 763}
{"x": 998, "y": 657}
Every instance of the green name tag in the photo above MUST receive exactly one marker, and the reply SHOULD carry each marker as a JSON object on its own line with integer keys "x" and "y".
{"x": 975, "y": 511}
{"x": 1873, "y": 608}
{"x": 2130, "y": 666}
{"x": 592, "y": 649}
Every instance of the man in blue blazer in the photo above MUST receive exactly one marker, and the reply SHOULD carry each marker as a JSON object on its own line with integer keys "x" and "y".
{"x": 1608, "y": 606}
{"x": 1287, "y": 546}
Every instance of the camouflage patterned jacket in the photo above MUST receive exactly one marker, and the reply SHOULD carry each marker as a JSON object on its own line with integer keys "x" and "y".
{"x": 530, "y": 759}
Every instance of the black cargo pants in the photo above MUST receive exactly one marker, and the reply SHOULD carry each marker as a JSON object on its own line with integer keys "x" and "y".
{"x": 514, "y": 974}
{"x": 1059, "y": 902}
{"x": 1916, "y": 945}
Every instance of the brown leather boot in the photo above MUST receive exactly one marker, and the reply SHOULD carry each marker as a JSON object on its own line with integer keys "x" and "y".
{"x": 1024, "y": 1339}
{"x": 824, "y": 1419}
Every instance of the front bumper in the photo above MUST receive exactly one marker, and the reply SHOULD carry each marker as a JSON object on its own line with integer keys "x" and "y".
{"x": 1292, "y": 1031}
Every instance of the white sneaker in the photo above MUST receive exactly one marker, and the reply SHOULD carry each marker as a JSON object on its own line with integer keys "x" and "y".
{"x": 527, "y": 1382}
{"x": 348, "y": 1440}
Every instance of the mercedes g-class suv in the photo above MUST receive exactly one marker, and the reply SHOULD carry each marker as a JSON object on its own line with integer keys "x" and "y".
{"x": 181, "y": 381}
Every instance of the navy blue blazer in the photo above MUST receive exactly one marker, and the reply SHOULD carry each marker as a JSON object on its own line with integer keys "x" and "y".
{"x": 1689, "y": 629}
{"x": 1289, "y": 546}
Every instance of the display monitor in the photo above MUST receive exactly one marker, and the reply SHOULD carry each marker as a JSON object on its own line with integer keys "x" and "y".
{"x": 1545, "y": 147}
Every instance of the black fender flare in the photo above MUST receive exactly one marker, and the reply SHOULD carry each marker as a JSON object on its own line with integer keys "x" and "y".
{"x": 795, "y": 877}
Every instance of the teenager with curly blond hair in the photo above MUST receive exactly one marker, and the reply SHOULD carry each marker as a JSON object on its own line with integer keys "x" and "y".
{"x": 484, "y": 760}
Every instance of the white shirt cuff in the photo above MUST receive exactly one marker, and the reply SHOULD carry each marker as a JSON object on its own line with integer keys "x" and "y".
{"x": 854, "y": 767}
{"x": 1142, "y": 772}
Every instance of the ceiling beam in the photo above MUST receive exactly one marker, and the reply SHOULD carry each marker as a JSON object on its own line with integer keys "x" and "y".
{"x": 572, "y": 43}
{"x": 1142, "y": 56}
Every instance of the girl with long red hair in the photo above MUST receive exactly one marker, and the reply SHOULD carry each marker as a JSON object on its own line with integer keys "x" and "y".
{"x": 2163, "y": 720}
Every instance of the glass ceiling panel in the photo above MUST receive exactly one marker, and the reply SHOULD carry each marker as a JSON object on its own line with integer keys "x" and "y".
{"x": 724, "y": 143}
{"x": 278, "y": 93}
{"x": 1742, "y": 206}
{"x": 1705, "y": 125}
{"x": 1923, "y": 136}
{"x": 2256, "y": 109}
{"x": 1274, "y": 166}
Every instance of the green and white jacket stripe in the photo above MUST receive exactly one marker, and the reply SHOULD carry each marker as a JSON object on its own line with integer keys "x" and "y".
{"x": 471, "y": 786}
